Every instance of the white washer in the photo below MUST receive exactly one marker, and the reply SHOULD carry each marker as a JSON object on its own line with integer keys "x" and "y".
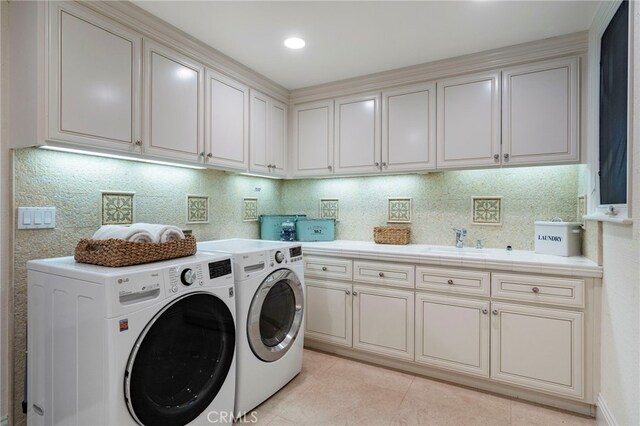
{"x": 270, "y": 307}
{"x": 151, "y": 344}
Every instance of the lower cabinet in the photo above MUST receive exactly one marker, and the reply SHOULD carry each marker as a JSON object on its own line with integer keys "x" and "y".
{"x": 377, "y": 320}
{"x": 538, "y": 348}
{"x": 453, "y": 333}
{"x": 383, "y": 321}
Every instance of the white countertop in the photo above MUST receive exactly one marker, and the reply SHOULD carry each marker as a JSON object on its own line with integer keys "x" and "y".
{"x": 515, "y": 260}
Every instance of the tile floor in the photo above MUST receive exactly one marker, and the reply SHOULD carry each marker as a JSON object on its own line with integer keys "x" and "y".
{"x": 337, "y": 391}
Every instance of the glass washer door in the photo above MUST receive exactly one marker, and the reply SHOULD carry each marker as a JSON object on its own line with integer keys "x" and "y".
{"x": 180, "y": 361}
{"x": 275, "y": 315}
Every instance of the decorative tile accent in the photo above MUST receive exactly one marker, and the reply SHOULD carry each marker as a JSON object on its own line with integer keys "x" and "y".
{"x": 399, "y": 210}
{"x": 329, "y": 208}
{"x": 197, "y": 209}
{"x": 117, "y": 208}
{"x": 582, "y": 208}
{"x": 487, "y": 211}
{"x": 250, "y": 209}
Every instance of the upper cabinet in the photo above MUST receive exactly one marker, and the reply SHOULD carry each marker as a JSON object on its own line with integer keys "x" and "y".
{"x": 469, "y": 121}
{"x": 540, "y": 104}
{"x": 268, "y": 135}
{"x": 409, "y": 128}
{"x": 357, "y": 134}
{"x": 313, "y": 139}
{"x": 94, "y": 80}
{"x": 227, "y": 122}
{"x": 173, "y": 104}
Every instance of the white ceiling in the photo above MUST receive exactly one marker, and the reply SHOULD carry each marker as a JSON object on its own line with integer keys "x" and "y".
{"x": 352, "y": 38}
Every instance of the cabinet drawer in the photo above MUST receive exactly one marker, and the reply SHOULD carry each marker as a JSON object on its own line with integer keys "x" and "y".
{"x": 531, "y": 288}
{"x": 392, "y": 274}
{"x": 453, "y": 280}
{"x": 328, "y": 267}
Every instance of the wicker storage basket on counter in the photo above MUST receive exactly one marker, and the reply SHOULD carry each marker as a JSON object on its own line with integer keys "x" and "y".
{"x": 391, "y": 235}
{"x": 116, "y": 253}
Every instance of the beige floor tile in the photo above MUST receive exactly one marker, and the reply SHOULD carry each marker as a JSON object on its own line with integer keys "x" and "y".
{"x": 317, "y": 363}
{"x": 528, "y": 414}
{"x": 449, "y": 399}
{"x": 337, "y": 400}
{"x": 369, "y": 374}
{"x": 290, "y": 391}
{"x": 279, "y": 421}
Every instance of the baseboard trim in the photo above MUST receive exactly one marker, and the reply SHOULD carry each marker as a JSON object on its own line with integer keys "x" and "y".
{"x": 604, "y": 416}
{"x": 4, "y": 421}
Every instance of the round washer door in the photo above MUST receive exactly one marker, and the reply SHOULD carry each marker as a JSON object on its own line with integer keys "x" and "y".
{"x": 180, "y": 361}
{"x": 275, "y": 315}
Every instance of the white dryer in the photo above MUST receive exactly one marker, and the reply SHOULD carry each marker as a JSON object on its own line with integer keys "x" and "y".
{"x": 150, "y": 344}
{"x": 270, "y": 306}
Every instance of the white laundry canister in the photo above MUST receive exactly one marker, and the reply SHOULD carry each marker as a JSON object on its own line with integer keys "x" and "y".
{"x": 559, "y": 238}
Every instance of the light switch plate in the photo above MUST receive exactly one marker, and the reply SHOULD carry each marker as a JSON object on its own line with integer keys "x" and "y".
{"x": 36, "y": 217}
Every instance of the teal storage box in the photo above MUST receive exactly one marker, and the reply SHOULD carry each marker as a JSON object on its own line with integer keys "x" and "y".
{"x": 271, "y": 225}
{"x": 316, "y": 230}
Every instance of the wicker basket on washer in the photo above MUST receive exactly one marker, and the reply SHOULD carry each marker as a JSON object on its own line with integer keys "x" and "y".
{"x": 115, "y": 253}
{"x": 398, "y": 235}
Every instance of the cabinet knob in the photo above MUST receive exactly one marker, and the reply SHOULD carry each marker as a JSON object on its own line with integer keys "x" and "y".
{"x": 485, "y": 311}
{"x": 209, "y": 155}
{"x": 506, "y": 156}
{"x": 347, "y": 292}
{"x": 496, "y": 157}
{"x": 273, "y": 166}
{"x": 355, "y": 293}
{"x": 376, "y": 164}
{"x": 384, "y": 164}
{"x": 202, "y": 154}
{"x": 535, "y": 290}
{"x": 450, "y": 282}
{"x": 138, "y": 143}
{"x": 330, "y": 167}
{"x": 324, "y": 268}
{"x": 381, "y": 274}
{"x": 495, "y": 312}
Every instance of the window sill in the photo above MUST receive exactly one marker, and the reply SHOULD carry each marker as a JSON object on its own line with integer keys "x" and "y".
{"x": 601, "y": 217}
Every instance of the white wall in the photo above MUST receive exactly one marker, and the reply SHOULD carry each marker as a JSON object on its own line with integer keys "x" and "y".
{"x": 4, "y": 230}
{"x": 619, "y": 401}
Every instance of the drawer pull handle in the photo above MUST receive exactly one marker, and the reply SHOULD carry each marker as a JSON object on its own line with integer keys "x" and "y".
{"x": 450, "y": 282}
{"x": 535, "y": 290}
{"x": 347, "y": 292}
{"x": 324, "y": 268}
{"x": 485, "y": 311}
{"x": 355, "y": 293}
{"x": 38, "y": 410}
{"x": 495, "y": 312}
{"x": 381, "y": 274}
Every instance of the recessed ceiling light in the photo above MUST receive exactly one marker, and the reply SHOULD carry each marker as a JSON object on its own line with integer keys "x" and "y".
{"x": 294, "y": 43}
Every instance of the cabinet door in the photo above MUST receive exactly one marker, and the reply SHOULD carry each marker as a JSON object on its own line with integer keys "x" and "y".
{"x": 540, "y": 104}
{"x": 259, "y": 161}
{"x": 357, "y": 135}
{"x": 383, "y": 321}
{"x": 278, "y": 137}
{"x": 538, "y": 348}
{"x": 328, "y": 314}
{"x": 468, "y": 133}
{"x": 453, "y": 333}
{"x": 94, "y": 80}
{"x": 174, "y": 104}
{"x": 227, "y": 122}
{"x": 313, "y": 139}
{"x": 409, "y": 128}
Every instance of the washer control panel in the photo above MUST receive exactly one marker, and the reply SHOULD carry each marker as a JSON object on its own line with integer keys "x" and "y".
{"x": 181, "y": 277}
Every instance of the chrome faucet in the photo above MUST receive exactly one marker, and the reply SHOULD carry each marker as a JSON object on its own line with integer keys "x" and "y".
{"x": 461, "y": 233}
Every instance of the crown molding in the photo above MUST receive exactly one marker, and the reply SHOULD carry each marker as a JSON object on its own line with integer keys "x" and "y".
{"x": 572, "y": 44}
{"x": 161, "y": 31}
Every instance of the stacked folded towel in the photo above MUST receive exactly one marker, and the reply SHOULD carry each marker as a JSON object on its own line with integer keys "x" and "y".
{"x": 139, "y": 233}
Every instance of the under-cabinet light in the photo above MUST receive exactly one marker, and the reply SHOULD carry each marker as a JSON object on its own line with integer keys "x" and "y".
{"x": 119, "y": 157}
